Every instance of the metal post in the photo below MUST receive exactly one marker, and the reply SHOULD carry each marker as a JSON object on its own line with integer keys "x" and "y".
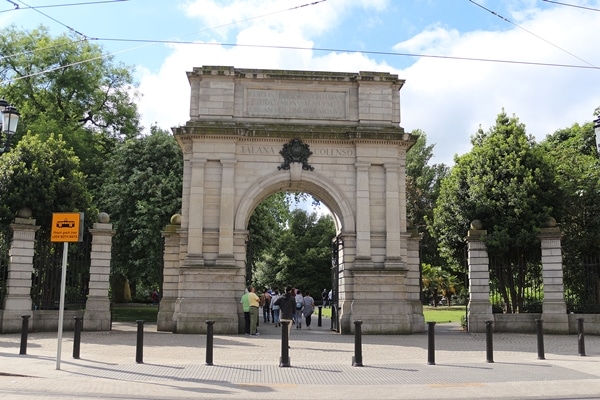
{"x": 580, "y": 338}
{"x": 540, "y": 338}
{"x": 77, "y": 337}
{"x": 320, "y": 316}
{"x": 489, "y": 342}
{"x": 284, "y": 361}
{"x": 431, "y": 343}
{"x": 139, "y": 348}
{"x": 357, "y": 359}
{"x": 24, "y": 333}
{"x": 333, "y": 317}
{"x": 209, "y": 342}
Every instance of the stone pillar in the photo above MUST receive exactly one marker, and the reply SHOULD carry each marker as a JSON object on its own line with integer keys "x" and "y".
{"x": 165, "y": 319}
{"x": 363, "y": 216}
{"x": 392, "y": 217}
{"x": 97, "y": 307}
{"x": 20, "y": 269}
{"x": 554, "y": 308}
{"x": 225, "y": 256}
{"x": 413, "y": 282}
{"x": 195, "y": 214}
{"x": 479, "y": 308}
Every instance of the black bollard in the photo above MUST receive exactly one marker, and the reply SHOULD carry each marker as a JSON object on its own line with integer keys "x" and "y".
{"x": 333, "y": 318}
{"x": 139, "y": 348}
{"x": 357, "y": 359}
{"x": 431, "y": 343}
{"x": 580, "y": 338}
{"x": 320, "y": 316}
{"x": 24, "y": 333}
{"x": 284, "y": 361}
{"x": 540, "y": 339}
{"x": 77, "y": 337}
{"x": 209, "y": 342}
{"x": 489, "y": 342}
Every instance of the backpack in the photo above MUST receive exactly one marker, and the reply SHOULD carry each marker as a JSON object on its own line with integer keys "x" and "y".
{"x": 298, "y": 305}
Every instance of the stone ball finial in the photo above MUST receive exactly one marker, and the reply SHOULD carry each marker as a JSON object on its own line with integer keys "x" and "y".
{"x": 551, "y": 222}
{"x": 176, "y": 219}
{"x": 25, "y": 212}
{"x": 476, "y": 225}
{"x": 103, "y": 218}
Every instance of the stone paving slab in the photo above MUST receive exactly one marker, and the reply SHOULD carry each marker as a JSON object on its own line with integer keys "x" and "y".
{"x": 395, "y": 367}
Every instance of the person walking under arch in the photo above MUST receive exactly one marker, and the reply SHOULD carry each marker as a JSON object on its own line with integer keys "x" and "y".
{"x": 308, "y": 308}
{"x": 287, "y": 306}
{"x": 254, "y": 301}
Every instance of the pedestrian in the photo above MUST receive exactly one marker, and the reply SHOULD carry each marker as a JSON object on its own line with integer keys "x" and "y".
{"x": 265, "y": 304}
{"x": 254, "y": 301}
{"x": 308, "y": 308}
{"x": 246, "y": 308}
{"x": 275, "y": 307}
{"x": 287, "y": 305}
{"x": 324, "y": 297}
{"x": 299, "y": 306}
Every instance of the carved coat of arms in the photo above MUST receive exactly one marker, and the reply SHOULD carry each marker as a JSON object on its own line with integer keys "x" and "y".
{"x": 295, "y": 151}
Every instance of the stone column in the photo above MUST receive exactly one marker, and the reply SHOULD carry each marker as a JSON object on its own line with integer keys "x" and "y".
{"x": 479, "y": 308}
{"x": 97, "y": 307}
{"x": 166, "y": 314}
{"x": 363, "y": 216}
{"x": 195, "y": 215}
{"x": 225, "y": 256}
{"x": 392, "y": 217}
{"x": 20, "y": 269}
{"x": 554, "y": 308}
{"x": 413, "y": 282}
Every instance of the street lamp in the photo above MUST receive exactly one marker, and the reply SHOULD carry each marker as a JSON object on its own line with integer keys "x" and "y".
{"x": 597, "y": 132}
{"x": 8, "y": 123}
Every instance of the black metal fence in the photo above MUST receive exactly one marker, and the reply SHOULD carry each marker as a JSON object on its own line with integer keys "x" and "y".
{"x": 582, "y": 285}
{"x": 516, "y": 284}
{"x": 47, "y": 273}
{"x": 5, "y": 238}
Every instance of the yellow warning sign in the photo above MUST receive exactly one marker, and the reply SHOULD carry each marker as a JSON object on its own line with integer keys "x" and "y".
{"x": 66, "y": 227}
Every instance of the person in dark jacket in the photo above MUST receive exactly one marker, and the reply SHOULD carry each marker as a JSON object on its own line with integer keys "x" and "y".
{"x": 287, "y": 306}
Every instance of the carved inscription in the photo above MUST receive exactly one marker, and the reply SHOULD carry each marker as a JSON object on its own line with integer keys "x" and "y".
{"x": 288, "y": 104}
{"x": 271, "y": 150}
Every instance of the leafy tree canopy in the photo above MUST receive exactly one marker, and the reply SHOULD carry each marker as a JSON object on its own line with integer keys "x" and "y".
{"x": 44, "y": 176}
{"x": 141, "y": 190}
{"x": 504, "y": 182}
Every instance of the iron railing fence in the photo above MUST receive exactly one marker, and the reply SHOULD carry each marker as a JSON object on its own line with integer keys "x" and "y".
{"x": 5, "y": 239}
{"x": 582, "y": 285}
{"x": 47, "y": 272}
{"x": 516, "y": 282}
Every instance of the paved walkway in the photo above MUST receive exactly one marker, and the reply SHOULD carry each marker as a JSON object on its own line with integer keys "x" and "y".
{"x": 394, "y": 367}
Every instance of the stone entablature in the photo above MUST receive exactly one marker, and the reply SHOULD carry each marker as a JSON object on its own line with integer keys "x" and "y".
{"x": 253, "y": 133}
{"x": 226, "y": 93}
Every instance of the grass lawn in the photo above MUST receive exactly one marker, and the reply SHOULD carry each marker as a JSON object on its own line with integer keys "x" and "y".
{"x": 443, "y": 314}
{"x": 144, "y": 312}
{"x": 148, "y": 313}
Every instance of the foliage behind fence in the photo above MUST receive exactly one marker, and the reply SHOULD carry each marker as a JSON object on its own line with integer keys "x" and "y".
{"x": 47, "y": 272}
{"x": 5, "y": 238}
{"x": 582, "y": 284}
{"x": 516, "y": 282}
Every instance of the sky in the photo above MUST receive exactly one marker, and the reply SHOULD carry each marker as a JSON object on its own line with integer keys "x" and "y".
{"x": 464, "y": 61}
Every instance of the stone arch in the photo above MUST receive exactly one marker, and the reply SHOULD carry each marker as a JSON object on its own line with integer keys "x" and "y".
{"x": 335, "y": 135}
{"x": 315, "y": 184}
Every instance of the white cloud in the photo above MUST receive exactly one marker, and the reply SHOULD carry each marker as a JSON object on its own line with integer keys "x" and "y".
{"x": 448, "y": 99}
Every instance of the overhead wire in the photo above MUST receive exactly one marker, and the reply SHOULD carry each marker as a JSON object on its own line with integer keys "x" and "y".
{"x": 572, "y": 5}
{"x": 151, "y": 42}
{"x": 54, "y": 19}
{"x": 17, "y": 7}
{"x": 531, "y": 33}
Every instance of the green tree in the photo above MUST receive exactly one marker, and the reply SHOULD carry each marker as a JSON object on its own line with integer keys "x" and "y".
{"x": 506, "y": 183}
{"x": 574, "y": 159}
{"x": 141, "y": 191}
{"x": 44, "y": 176}
{"x": 422, "y": 187}
{"x": 69, "y": 86}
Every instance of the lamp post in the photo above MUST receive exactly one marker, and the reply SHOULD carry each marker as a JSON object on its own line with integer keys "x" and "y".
{"x": 597, "y": 132}
{"x": 8, "y": 123}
